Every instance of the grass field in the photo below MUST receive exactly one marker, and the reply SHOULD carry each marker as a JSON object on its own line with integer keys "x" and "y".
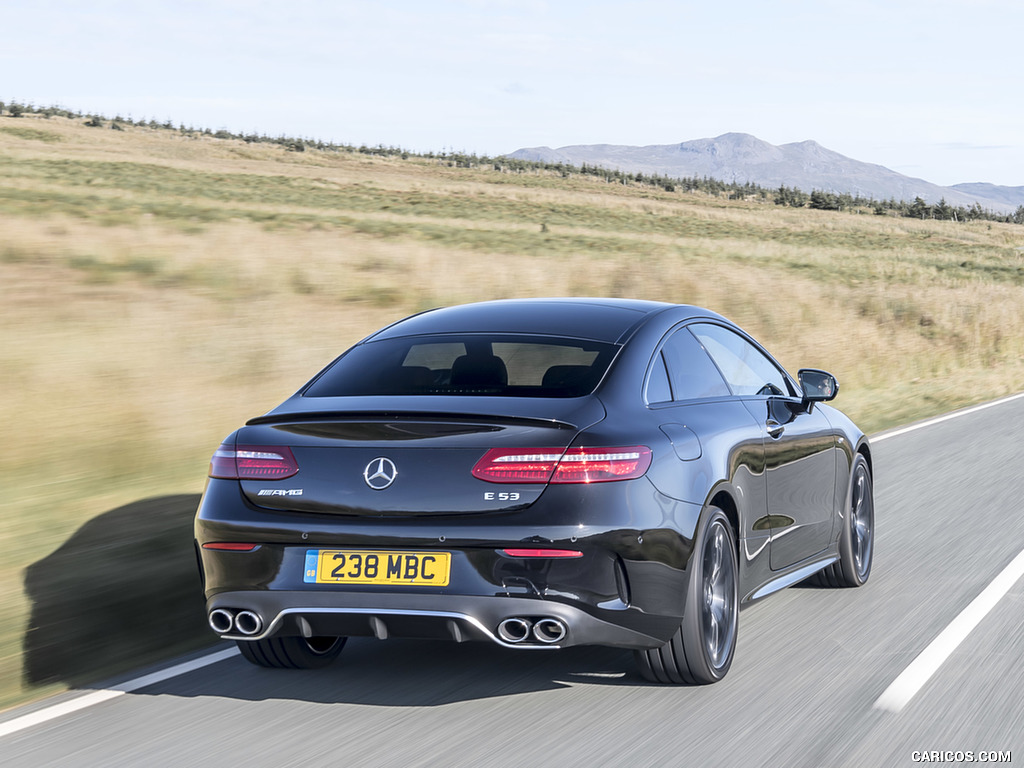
{"x": 159, "y": 289}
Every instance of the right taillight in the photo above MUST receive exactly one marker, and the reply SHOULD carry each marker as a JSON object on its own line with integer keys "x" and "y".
{"x": 601, "y": 465}
{"x": 555, "y": 465}
{"x": 253, "y": 462}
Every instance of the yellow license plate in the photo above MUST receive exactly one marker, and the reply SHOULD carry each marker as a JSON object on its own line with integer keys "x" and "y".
{"x": 356, "y": 566}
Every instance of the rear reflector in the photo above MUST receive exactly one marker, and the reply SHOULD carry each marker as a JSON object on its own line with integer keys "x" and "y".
{"x": 230, "y": 546}
{"x": 541, "y": 553}
{"x": 253, "y": 462}
{"x": 576, "y": 465}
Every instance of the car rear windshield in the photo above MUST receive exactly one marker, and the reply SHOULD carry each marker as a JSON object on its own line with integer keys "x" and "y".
{"x": 503, "y": 366}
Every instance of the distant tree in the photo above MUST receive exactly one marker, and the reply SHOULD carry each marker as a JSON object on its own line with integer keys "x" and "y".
{"x": 1018, "y": 215}
{"x": 942, "y": 210}
{"x": 824, "y": 201}
{"x": 794, "y": 198}
{"x": 16, "y": 109}
{"x": 919, "y": 209}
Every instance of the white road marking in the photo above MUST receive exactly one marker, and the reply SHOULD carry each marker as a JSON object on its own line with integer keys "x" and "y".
{"x": 97, "y": 697}
{"x": 940, "y": 419}
{"x": 913, "y": 678}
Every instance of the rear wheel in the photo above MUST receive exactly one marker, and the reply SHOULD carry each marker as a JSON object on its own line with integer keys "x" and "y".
{"x": 856, "y": 542}
{"x": 292, "y": 652}
{"x": 702, "y": 648}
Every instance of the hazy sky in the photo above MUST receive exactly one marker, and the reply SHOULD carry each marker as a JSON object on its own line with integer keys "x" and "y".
{"x": 930, "y": 89}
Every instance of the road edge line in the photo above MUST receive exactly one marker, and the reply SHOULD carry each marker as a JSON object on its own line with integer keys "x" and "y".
{"x": 945, "y": 417}
{"x": 97, "y": 697}
{"x": 913, "y": 678}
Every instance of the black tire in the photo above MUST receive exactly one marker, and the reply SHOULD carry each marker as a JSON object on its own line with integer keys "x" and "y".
{"x": 292, "y": 652}
{"x": 857, "y": 538}
{"x": 701, "y": 650}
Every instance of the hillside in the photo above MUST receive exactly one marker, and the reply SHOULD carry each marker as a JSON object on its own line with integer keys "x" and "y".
{"x": 1007, "y": 196}
{"x": 163, "y": 286}
{"x": 806, "y": 165}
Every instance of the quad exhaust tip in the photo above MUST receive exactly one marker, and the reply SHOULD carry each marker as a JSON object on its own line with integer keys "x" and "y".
{"x": 223, "y": 620}
{"x": 514, "y": 630}
{"x": 248, "y": 623}
{"x": 546, "y": 631}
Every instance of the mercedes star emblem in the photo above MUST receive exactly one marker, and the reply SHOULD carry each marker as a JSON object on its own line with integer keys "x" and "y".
{"x": 380, "y": 473}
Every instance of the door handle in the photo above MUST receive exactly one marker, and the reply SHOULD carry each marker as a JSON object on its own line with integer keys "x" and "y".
{"x": 774, "y": 428}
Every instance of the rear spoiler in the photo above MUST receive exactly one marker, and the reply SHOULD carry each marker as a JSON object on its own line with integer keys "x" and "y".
{"x": 407, "y": 418}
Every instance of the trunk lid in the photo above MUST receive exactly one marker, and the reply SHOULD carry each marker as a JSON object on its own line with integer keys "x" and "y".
{"x": 413, "y": 457}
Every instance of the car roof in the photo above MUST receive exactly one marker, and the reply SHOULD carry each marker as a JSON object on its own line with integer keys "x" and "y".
{"x": 608, "y": 320}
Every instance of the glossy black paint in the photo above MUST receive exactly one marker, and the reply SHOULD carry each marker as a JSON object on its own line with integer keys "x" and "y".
{"x": 777, "y": 464}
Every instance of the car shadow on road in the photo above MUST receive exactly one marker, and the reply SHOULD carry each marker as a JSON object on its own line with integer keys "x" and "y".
{"x": 410, "y": 673}
{"x": 124, "y": 589}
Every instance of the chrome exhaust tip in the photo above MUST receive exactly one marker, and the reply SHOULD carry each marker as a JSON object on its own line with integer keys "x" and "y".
{"x": 514, "y": 630}
{"x": 221, "y": 620}
{"x": 248, "y": 623}
{"x": 549, "y": 631}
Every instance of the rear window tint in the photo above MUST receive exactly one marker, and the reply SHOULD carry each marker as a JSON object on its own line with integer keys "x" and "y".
{"x": 503, "y": 366}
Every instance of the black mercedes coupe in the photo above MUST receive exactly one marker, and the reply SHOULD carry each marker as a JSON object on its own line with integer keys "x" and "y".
{"x": 536, "y": 473}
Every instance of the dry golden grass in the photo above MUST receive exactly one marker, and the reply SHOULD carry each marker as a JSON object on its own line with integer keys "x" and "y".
{"x": 142, "y": 322}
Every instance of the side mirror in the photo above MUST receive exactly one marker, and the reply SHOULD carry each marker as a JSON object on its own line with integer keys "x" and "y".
{"x": 818, "y": 386}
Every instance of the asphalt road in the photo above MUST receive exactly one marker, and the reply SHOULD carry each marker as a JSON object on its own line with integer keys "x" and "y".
{"x": 810, "y": 666}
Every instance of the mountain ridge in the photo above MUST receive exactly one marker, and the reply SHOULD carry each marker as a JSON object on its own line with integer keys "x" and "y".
{"x": 805, "y": 165}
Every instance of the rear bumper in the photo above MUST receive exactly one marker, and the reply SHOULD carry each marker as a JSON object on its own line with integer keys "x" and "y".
{"x": 624, "y": 590}
{"x": 435, "y": 616}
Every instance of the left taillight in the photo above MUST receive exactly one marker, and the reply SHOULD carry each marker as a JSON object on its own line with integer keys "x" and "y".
{"x": 253, "y": 462}
{"x": 553, "y": 465}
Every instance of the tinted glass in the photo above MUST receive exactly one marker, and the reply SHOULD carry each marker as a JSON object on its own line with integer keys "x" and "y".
{"x": 745, "y": 367}
{"x": 658, "y": 389}
{"x": 505, "y": 366}
{"x": 690, "y": 370}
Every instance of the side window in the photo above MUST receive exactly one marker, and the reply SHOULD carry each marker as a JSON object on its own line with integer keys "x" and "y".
{"x": 690, "y": 370}
{"x": 658, "y": 390}
{"x": 745, "y": 367}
